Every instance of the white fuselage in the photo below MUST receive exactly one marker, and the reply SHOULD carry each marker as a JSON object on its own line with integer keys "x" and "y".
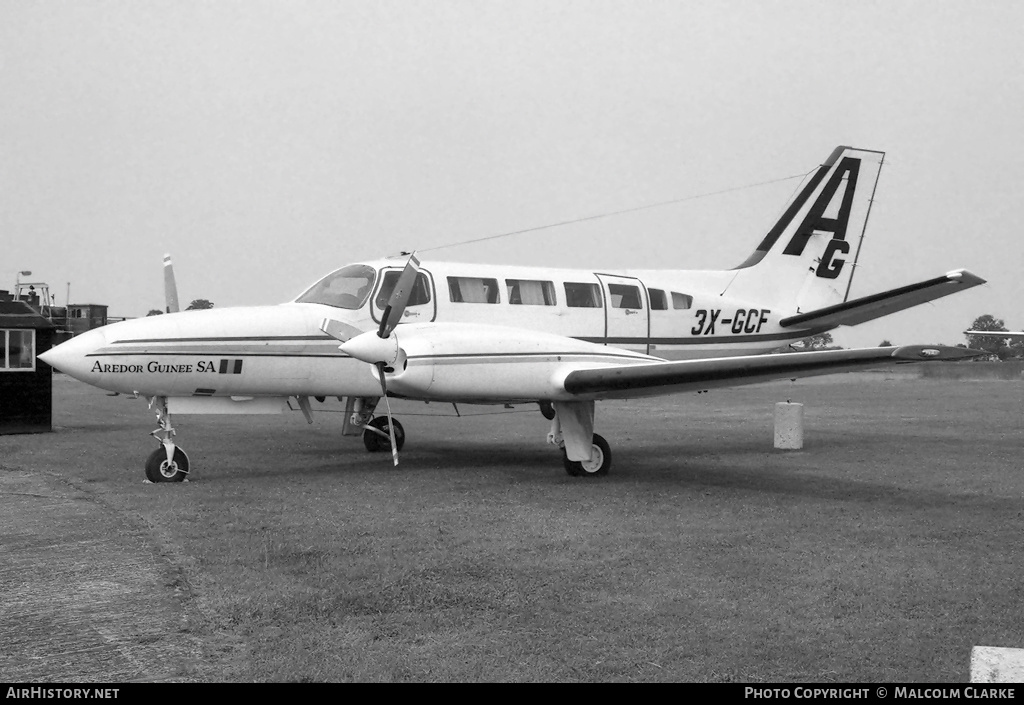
{"x": 537, "y": 322}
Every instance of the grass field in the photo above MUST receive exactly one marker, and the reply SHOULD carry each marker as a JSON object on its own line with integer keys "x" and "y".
{"x": 883, "y": 551}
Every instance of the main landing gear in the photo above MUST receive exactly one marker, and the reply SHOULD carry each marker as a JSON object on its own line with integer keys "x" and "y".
{"x": 599, "y": 463}
{"x": 168, "y": 463}
{"x": 572, "y": 426}
{"x": 376, "y": 435}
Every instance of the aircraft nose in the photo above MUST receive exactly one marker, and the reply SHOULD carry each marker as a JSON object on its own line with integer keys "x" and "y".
{"x": 70, "y": 357}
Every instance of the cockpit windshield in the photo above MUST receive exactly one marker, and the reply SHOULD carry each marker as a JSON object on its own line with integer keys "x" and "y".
{"x": 346, "y": 288}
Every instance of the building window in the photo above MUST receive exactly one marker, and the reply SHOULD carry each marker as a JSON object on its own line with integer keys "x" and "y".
{"x": 473, "y": 290}
{"x": 17, "y": 350}
{"x": 659, "y": 302}
{"x": 624, "y": 296}
{"x": 580, "y": 295}
{"x": 681, "y": 300}
{"x": 420, "y": 289}
{"x": 530, "y": 292}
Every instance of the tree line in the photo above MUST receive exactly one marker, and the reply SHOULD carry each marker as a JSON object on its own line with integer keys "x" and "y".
{"x": 196, "y": 305}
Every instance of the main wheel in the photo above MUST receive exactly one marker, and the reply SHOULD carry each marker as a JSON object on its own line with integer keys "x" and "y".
{"x": 375, "y": 442}
{"x": 546, "y": 409}
{"x": 158, "y": 469}
{"x": 599, "y": 464}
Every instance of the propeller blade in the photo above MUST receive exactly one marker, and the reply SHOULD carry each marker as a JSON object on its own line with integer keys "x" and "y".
{"x": 338, "y": 330}
{"x": 170, "y": 287}
{"x": 399, "y": 297}
{"x": 387, "y": 406}
{"x": 368, "y": 348}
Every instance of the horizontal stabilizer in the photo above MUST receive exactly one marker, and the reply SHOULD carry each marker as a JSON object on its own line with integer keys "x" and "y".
{"x": 690, "y": 375}
{"x": 868, "y": 308}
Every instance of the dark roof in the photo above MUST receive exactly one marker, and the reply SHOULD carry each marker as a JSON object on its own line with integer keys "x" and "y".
{"x": 18, "y": 314}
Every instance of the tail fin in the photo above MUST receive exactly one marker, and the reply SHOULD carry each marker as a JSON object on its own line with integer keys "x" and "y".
{"x": 170, "y": 288}
{"x": 807, "y": 260}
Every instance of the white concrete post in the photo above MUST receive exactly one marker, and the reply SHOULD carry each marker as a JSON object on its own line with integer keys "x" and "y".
{"x": 993, "y": 664}
{"x": 789, "y": 426}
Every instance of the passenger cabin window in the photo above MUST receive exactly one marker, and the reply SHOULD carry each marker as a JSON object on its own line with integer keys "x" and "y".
{"x": 580, "y": 295}
{"x": 349, "y": 288}
{"x": 659, "y": 302}
{"x": 420, "y": 289}
{"x": 624, "y": 296}
{"x": 17, "y": 350}
{"x": 681, "y": 300}
{"x": 530, "y": 293}
{"x": 473, "y": 290}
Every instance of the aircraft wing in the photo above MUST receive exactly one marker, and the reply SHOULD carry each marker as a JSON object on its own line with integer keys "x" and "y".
{"x": 997, "y": 333}
{"x": 868, "y": 308}
{"x": 692, "y": 375}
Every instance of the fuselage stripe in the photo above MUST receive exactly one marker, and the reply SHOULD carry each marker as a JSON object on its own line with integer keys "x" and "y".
{"x": 225, "y": 339}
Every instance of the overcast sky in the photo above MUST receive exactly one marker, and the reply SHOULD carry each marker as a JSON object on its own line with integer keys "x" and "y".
{"x": 263, "y": 144}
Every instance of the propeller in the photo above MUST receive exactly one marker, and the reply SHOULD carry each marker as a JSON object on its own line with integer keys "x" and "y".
{"x": 399, "y": 297}
{"x": 380, "y": 349}
{"x": 170, "y": 287}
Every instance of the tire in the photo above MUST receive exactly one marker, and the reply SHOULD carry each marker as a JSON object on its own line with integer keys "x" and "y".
{"x": 547, "y": 409}
{"x": 571, "y": 467}
{"x": 598, "y": 467}
{"x": 375, "y": 443}
{"x": 158, "y": 469}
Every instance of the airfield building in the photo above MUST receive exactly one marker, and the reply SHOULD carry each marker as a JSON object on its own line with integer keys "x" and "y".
{"x": 85, "y": 317}
{"x": 25, "y": 382}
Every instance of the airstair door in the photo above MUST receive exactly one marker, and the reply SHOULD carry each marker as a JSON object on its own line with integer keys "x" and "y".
{"x": 627, "y": 314}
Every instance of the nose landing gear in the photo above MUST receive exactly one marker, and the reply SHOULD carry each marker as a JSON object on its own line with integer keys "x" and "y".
{"x": 168, "y": 463}
{"x": 161, "y": 469}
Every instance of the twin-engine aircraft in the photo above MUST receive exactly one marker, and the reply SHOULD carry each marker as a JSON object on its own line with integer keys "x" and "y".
{"x": 496, "y": 334}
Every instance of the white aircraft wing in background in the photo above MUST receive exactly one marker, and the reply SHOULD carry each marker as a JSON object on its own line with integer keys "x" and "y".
{"x": 997, "y": 333}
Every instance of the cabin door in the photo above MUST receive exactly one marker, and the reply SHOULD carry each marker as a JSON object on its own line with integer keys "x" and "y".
{"x": 626, "y": 311}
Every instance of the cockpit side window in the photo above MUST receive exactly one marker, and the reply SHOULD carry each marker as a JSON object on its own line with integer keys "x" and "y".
{"x": 346, "y": 288}
{"x": 420, "y": 289}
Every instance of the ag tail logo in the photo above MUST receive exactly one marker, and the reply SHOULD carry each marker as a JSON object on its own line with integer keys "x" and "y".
{"x": 816, "y": 220}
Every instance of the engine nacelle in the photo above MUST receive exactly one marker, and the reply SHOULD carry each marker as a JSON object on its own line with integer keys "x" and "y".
{"x": 465, "y": 361}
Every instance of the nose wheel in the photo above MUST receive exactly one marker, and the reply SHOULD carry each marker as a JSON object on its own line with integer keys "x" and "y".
{"x": 168, "y": 463}
{"x": 160, "y": 469}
